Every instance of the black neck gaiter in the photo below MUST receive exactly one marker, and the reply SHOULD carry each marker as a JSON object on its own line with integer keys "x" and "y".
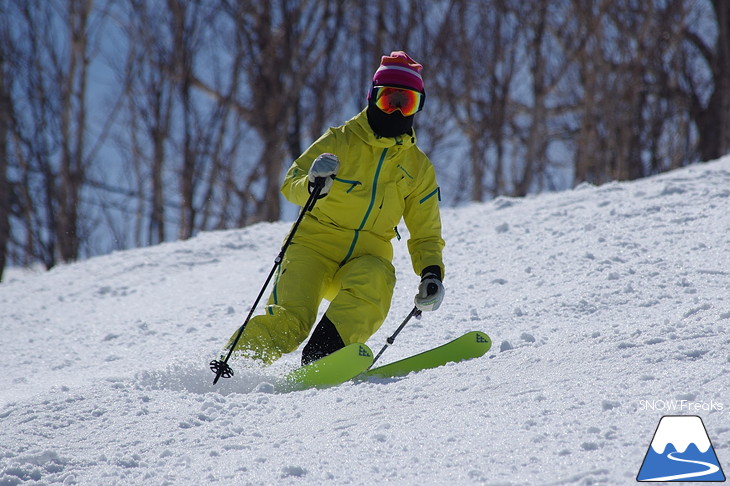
{"x": 388, "y": 125}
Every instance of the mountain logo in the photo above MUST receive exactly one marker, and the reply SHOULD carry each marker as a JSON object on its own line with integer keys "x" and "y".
{"x": 681, "y": 451}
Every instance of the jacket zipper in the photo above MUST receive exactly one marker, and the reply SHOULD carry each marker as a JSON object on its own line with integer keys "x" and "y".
{"x": 370, "y": 207}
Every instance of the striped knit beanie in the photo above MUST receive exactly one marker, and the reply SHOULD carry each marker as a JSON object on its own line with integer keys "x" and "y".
{"x": 400, "y": 70}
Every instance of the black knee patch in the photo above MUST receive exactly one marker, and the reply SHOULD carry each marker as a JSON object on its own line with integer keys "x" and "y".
{"x": 325, "y": 340}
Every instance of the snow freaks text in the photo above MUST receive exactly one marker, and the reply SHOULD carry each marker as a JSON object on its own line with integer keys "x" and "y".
{"x": 680, "y": 405}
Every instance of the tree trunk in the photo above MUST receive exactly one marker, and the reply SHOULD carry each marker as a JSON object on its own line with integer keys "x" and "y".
{"x": 5, "y": 189}
{"x": 713, "y": 120}
{"x": 73, "y": 131}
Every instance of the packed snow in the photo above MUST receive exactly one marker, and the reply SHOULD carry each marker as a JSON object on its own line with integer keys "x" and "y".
{"x": 609, "y": 307}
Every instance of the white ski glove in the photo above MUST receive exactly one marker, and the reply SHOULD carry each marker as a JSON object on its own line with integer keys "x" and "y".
{"x": 324, "y": 167}
{"x": 430, "y": 293}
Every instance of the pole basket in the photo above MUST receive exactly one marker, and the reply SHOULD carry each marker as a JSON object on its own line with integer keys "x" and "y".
{"x": 221, "y": 370}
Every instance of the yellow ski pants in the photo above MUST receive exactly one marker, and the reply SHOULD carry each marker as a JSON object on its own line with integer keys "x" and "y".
{"x": 360, "y": 292}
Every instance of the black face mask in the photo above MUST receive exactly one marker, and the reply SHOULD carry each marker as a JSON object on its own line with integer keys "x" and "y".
{"x": 388, "y": 125}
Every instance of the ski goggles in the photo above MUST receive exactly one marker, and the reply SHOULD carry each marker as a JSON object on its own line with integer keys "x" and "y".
{"x": 389, "y": 99}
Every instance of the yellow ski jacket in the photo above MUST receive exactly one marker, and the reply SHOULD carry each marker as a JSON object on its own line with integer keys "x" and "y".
{"x": 380, "y": 182}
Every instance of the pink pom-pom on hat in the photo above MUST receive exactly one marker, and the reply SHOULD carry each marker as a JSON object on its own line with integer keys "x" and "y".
{"x": 399, "y": 69}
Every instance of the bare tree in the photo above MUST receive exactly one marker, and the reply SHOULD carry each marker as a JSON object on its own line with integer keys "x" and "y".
{"x": 149, "y": 93}
{"x": 280, "y": 44}
{"x": 72, "y": 78}
{"x": 552, "y": 42}
{"x": 628, "y": 105}
{"x": 478, "y": 91}
{"x": 183, "y": 29}
{"x": 710, "y": 101}
{"x": 37, "y": 132}
{"x": 32, "y": 136}
{"x": 5, "y": 122}
{"x": 47, "y": 116}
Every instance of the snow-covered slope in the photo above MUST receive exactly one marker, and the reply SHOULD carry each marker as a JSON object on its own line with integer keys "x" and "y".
{"x": 606, "y": 305}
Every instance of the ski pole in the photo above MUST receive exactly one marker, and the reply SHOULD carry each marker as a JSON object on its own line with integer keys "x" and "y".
{"x": 414, "y": 313}
{"x": 221, "y": 368}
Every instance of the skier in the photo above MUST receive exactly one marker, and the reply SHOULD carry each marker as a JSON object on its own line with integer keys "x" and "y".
{"x": 374, "y": 175}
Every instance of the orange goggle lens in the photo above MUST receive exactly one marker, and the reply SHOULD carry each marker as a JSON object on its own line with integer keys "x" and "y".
{"x": 390, "y": 99}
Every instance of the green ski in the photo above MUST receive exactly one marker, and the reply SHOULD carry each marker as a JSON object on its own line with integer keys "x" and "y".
{"x": 338, "y": 367}
{"x": 471, "y": 345}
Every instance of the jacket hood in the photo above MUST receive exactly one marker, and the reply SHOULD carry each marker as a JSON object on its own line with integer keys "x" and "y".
{"x": 361, "y": 128}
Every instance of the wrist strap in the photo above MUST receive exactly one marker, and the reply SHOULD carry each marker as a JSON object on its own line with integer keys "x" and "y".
{"x": 431, "y": 271}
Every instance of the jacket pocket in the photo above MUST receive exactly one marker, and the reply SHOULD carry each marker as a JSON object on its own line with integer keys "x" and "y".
{"x": 349, "y": 185}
